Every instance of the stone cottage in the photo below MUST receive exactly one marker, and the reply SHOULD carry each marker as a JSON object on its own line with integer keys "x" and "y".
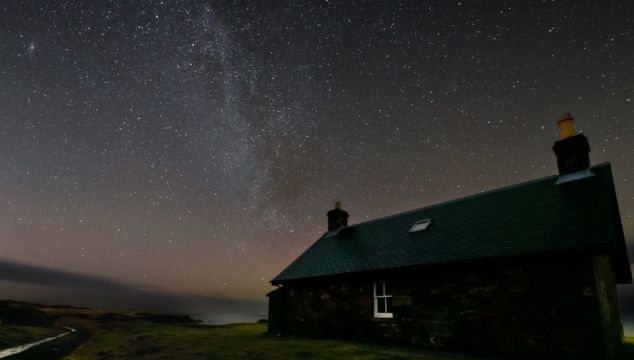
{"x": 529, "y": 269}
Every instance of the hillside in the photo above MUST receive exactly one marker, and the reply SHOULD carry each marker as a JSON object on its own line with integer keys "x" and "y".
{"x": 128, "y": 335}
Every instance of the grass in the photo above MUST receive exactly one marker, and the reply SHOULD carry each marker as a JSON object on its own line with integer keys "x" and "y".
{"x": 138, "y": 339}
{"x": 105, "y": 335}
{"x": 144, "y": 340}
{"x": 628, "y": 348}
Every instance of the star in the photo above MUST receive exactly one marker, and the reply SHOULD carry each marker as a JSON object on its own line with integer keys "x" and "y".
{"x": 218, "y": 134}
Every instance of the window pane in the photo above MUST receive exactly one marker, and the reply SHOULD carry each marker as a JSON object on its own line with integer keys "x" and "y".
{"x": 388, "y": 304}
{"x": 388, "y": 290}
{"x": 380, "y": 305}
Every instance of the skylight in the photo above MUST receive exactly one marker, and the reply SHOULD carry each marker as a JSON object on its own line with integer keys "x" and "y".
{"x": 420, "y": 225}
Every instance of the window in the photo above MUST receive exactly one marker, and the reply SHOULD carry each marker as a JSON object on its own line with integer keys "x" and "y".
{"x": 420, "y": 225}
{"x": 382, "y": 300}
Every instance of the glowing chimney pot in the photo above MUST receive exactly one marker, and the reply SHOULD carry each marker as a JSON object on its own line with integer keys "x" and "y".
{"x": 337, "y": 204}
{"x": 566, "y": 126}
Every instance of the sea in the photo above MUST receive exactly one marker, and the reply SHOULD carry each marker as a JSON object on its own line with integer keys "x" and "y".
{"x": 228, "y": 318}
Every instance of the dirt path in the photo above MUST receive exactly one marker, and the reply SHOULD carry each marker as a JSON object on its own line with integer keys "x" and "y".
{"x": 22, "y": 348}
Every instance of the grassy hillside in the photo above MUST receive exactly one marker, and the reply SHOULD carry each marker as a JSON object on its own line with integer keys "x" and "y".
{"x": 628, "y": 348}
{"x": 143, "y": 340}
{"x": 127, "y": 335}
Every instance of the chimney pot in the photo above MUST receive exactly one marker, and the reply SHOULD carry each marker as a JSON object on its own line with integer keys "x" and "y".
{"x": 566, "y": 124}
{"x": 572, "y": 152}
{"x": 337, "y": 217}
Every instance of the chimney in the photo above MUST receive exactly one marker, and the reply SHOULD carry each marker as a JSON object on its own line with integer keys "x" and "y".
{"x": 572, "y": 152}
{"x": 337, "y": 218}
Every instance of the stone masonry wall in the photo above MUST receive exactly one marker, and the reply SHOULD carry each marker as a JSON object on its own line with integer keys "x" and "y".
{"x": 608, "y": 305}
{"x": 545, "y": 305}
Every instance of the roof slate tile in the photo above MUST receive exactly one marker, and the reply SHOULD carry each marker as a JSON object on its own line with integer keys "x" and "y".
{"x": 532, "y": 217}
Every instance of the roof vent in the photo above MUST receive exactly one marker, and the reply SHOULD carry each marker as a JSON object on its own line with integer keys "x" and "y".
{"x": 420, "y": 225}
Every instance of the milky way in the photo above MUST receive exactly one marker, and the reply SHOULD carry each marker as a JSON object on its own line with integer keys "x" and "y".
{"x": 196, "y": 146}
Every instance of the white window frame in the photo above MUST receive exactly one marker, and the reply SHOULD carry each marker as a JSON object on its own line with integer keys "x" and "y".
{"x": 383, "y": 297}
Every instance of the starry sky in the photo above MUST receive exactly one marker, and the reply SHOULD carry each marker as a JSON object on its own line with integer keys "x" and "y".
{"x": 195, "y": 146}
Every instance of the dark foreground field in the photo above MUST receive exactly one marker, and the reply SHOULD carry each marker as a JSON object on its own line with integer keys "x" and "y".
{"x": 107, "y": 335}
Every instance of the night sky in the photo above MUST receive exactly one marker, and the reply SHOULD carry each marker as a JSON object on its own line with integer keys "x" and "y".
{"x": 195, "y": 146}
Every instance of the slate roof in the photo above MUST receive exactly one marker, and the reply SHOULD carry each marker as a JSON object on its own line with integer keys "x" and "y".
{"x": 531, "y": 217}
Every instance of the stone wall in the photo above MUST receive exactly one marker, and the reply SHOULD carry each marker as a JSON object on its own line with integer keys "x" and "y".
{"x": 539, "y": 305}
{"x": 608, "y": 305}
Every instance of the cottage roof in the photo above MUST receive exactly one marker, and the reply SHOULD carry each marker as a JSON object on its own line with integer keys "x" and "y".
{"x": 533, "y": 217}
